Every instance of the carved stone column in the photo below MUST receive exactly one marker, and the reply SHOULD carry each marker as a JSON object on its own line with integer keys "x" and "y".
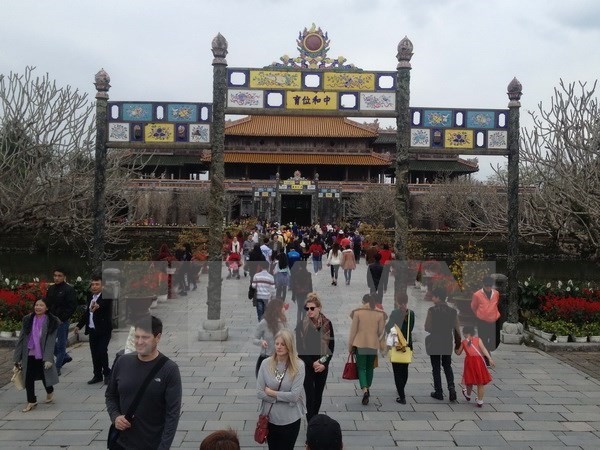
{"x": 214, "y": 329}
{"x": 401, "y": 199}
{"x": 512, "y": 330}
{"x": 102, "y": 83}
{"x": 314, "y": 218}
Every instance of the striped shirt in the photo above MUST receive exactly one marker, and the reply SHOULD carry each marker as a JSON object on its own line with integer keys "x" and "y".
{"x": 264, "y": 283}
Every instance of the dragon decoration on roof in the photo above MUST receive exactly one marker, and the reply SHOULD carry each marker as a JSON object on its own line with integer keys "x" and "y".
{"x": 313, "y": 46}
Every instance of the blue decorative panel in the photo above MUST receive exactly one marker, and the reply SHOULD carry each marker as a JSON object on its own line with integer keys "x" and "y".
{"x": 182, "y": 112}
{"x": 439, "y": 118}
{"x": 480, "y": 119}
{"x": 137, "y": 112}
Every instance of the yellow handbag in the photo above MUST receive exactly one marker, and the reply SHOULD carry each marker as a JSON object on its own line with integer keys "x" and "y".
{"x": 17, "y": 379}
{"x": 402, "y": 353}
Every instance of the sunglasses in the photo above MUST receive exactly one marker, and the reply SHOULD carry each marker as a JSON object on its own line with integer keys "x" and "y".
{"x": 312, "y": 308}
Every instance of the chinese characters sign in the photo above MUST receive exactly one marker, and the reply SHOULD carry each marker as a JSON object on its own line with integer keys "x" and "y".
{"x": 265, "y": 91}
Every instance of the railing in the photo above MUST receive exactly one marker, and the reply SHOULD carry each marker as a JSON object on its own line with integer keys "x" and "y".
{"x": 247, "y": 185}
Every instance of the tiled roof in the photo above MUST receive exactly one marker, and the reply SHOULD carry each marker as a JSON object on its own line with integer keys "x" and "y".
{"x": 305, "y": 158}
{"x": 298, "y": 126}
{"x": 385, "y": 138}
{"x": 441, "y": 166}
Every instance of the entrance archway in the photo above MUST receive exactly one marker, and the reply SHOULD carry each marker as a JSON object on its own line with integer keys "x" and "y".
{"x": 295, "y": 208}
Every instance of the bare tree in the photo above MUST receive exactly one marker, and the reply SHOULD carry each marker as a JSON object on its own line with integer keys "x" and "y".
{"x": 375, "y": 205}
{"x": 559, "y": 175}
{"x": 562, "y": 151}
{"x": 46, "y": 161}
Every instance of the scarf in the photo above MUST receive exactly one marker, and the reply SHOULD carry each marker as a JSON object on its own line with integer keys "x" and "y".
{"x": 34, "y": 344}
{"x": 322, "y": 326}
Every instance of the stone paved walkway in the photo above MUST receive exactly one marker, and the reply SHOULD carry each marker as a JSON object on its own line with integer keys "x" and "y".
{"x": 535, "y": 400}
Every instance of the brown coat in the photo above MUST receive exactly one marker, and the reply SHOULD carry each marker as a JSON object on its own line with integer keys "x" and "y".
{"x": 348, "y": 260}
{"x": 367, "y": 330}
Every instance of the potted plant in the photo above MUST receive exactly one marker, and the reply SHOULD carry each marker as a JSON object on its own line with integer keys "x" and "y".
{"x": 547, "y": 329}
{"x": 6, "y": 330}
{"x": 592, "y": 329}
{"x": 563, "y": 329}
{"x": 579, "y": 334}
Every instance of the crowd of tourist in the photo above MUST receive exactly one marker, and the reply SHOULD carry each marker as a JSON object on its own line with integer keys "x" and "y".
{"x": 293, "y": 360}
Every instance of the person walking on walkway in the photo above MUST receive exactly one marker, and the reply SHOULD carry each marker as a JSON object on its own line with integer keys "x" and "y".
{"x": 334, "y": 259}
{"x": 301, "y": 285}
{"x": 315, "y": 340}
{"x": 366, "y": 334}
{"x": 97, "y": 319}
{"x": 442, "y": 325}
{"x": 348, "y": 263}
{"x": 62, "y": 303}
{"x": 280, "y": 387}
{"x": 484, "y": 305}
{"x": 401, "y": 316}
{"x": 475, "y": 372}
{"x": 316, "y": 249}
{"x": 34, "y": 352}
{"x": 281, "y": 273}
{"x": 156, "y": 417}
{"x": 374, "y": 275}
{"x": 264, "y": 283}
{"x": 264, "y": 335}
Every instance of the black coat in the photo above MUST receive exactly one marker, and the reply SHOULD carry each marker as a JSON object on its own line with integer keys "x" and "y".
{"x": 102, "y": 316}
{"x": 374, "y": 273}
{"x": 61, "y": 300}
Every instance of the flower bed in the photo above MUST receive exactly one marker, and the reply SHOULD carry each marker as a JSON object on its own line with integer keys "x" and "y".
{"x": 562, "y": 309}
{"x": 17, "y": 299}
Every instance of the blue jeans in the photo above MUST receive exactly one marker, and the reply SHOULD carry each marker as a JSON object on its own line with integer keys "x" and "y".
{"x": 60, "y": 350}
{"x": 348, "y": 275}
{"x": 317, "y": 263}
{"x": 260, "y": 308}
{"x": 281, "y": 284}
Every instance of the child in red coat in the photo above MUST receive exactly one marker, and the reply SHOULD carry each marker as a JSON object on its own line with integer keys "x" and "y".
{"x": 475, "y": 371}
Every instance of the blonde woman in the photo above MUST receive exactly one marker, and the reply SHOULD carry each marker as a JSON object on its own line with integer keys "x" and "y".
{"x": 280, "y": 387}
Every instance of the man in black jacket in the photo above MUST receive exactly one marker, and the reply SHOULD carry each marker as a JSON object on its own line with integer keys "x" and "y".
{"x": 97, "y": 319}
{"x": 444, "y": 336}
{"x": 374, "y": 274}
{"x": 62, "y": 302}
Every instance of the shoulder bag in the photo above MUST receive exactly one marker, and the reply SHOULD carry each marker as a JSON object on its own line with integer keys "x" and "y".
{"x": 113, "y": 433}
{"x": 262, "y": 426}
{"x": 251, "y": 290}
{"x": 402, "y": 353}
{"x": 350, "y": 369}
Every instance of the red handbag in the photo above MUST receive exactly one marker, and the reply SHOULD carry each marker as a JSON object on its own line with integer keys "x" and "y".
{"x": 262, "y": 426}
{"x": 350, "y": 369}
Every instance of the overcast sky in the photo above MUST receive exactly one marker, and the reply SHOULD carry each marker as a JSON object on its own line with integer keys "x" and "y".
{"x": 465, "y": 51}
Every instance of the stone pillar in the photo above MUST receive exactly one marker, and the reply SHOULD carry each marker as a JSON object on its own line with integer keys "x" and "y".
{"x": 512, "y": 330}
{"x": 214, "y": 329}
{"x": 315, "y": 203}
{"x": 102, "y": 83}
{"x": 277, "y": 212}
{"x": 401, "y": 198}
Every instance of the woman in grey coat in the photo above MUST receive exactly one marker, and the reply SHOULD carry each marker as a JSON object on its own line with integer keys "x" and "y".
{"x": 34, "y": 352}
